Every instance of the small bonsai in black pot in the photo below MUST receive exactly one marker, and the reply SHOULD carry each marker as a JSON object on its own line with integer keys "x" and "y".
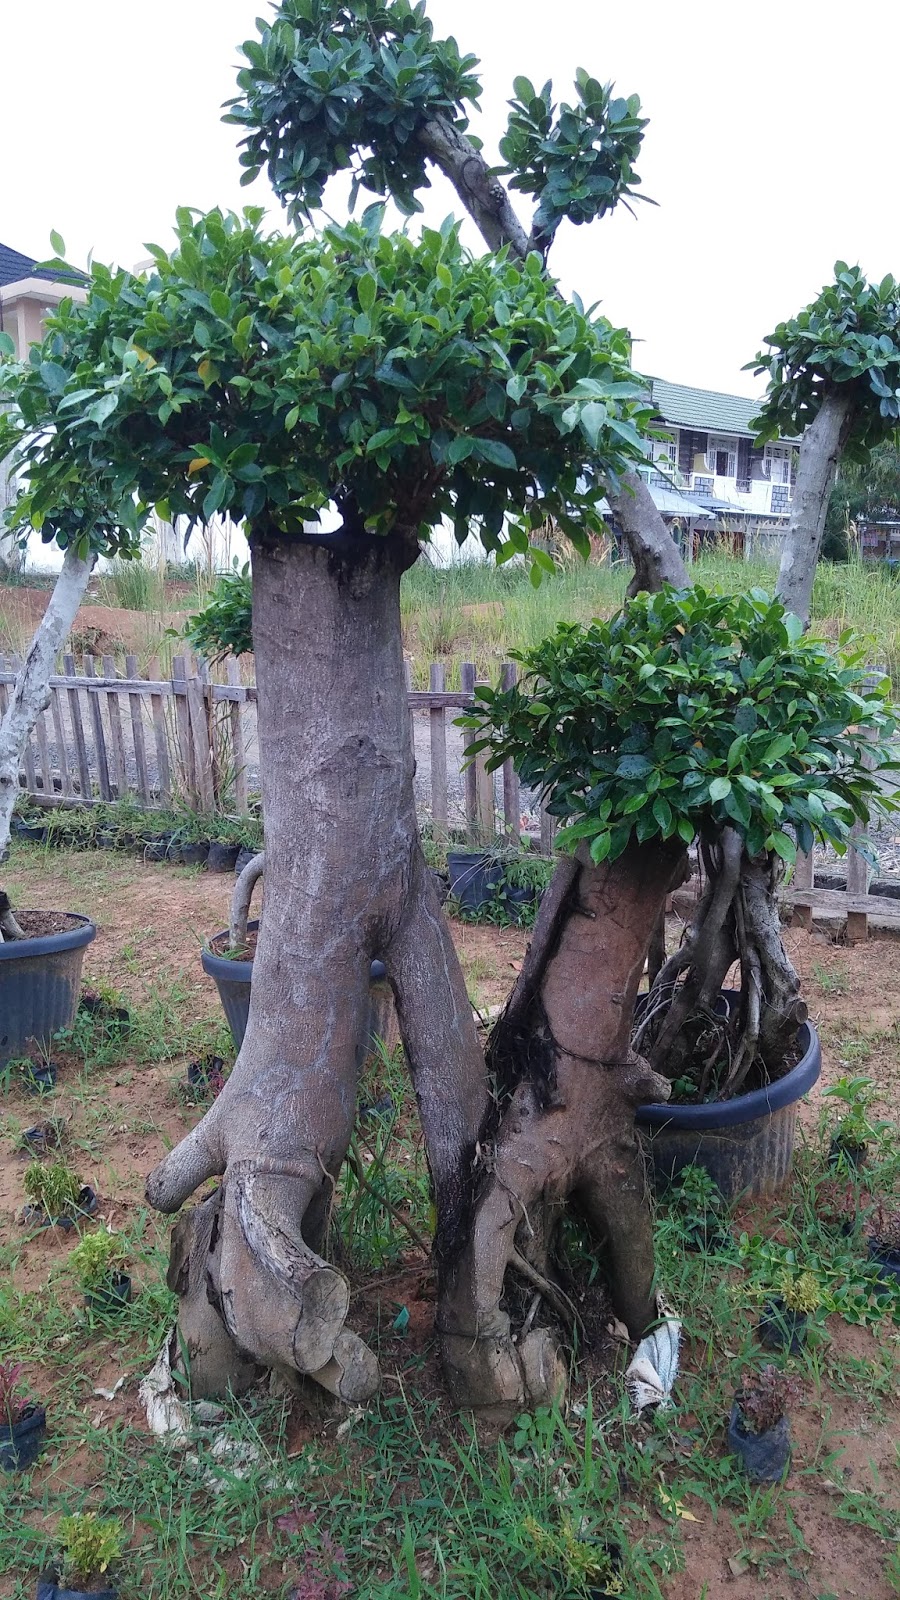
{"x": 759, "y": 1432}
{"x": 786, "y": 1313}
{"x": 23, "y": 1423}
{"x": 89, "y": 1546}
{"x": 854, "y": 1132}
{"x": 57, "y": 1198}
{"x": 884, "y": 1243}
{"x": 98, "y": 1261}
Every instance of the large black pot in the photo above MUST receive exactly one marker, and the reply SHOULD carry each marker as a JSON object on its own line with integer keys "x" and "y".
{"x": 40, "y": 980}
{"x": 233, "y": 979}
{"x": 22, "y": 1443}
{"x": 478, "y": 883}
{"x": 745, "y": 1144}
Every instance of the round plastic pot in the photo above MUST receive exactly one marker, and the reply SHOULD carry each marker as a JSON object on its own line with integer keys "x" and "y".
{"x": 48, "y": 1589}
{"x": 158, "y": 848}
{"x": 193, "y": 854}
{"x": 886, "y": 1261}
{"x": 22, "y": 1443}
{"x": 40, "y": 981}
{"x": 112, "y": 1298}
{"x": 853, "y": 1155}
{"x": 745, "y": 1144}
{"x": 244, "y": 857}
{"x": 222, "y": 857}
{"x": 765, "y": 1457}
{"x": 40, "y": 1080}
{"x": 233, "y": 978}
{"x": 32, "y": 830}
{"x": 474, "y": 880}
{"x": 85, "y": 1206}
{"x": 780, "y": 1328}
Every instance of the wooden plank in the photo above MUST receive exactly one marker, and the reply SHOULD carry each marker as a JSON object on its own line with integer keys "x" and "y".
{"x": 84, "y": 771}
{"x": 100, "y": 755}
{"x": 43, "y": 745}
{"x": 803, "y": 878}
{"x": 512, "y": 813}
{"x": 116, "y": 736}
{"x": 467, "y": 681}
{"x": 199, "y": 728}
{"x": 161, "y": 740}
{"x": 59, "y": 736}
{"x": 485, "y": 809}
{"x": 219, "y": 691}
{"x": 136, "y": 709}
{"x": 407, "y": 678}
{"x": 547, "y": 831}
{"x": 185, "y": 743}
{"x": 437, "y": 730}
{"x": 238, "y": 748}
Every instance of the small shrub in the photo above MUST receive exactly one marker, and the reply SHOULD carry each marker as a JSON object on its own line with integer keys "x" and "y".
{"x": 856, "y": 1094}
{"x": 764, "y": 1398}
{"x": 90, "y": 1545}
{"x": 800, "y": 1292}
{"x": 97, "y": 1258}
{"x": 55, "y": 1187}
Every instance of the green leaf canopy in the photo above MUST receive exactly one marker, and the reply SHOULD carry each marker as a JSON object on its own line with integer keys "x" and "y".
{"x": 262, "y": 377}
{"x": 689, "y": 712}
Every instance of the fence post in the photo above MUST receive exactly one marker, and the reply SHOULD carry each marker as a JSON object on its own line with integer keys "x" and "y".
{"x": 136, "y": 709}
{"x": 467, "y": 684}
{"x": 59, "y": 738}
{"x": 114, "y": 714}
{"x": 160, "y": 736}
{"x": 511, "y": 794}
{"x": 803, "y": 878}
{"x": 183, "y": 728}
{"x": 99, "y": 736}
{"x": 437, "y": 721}
{"x": 485, "y": 809}
{"x": 84, "y": 771}
{"x": 235, "y": 709}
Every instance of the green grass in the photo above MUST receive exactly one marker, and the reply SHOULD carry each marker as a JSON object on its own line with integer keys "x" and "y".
{"x": 134, "y": 585}
{"x": 405, "y": 1501}
{"x": 514, "y": 615}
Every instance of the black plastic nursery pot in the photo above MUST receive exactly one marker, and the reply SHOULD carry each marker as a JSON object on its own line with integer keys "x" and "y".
{"x": 222, "y": 857}
{"x": 40, "y": 981}
{"x": 22, "y": 1443}
{"x": 48, "y": 1588}
{"x": 886, "y": 1261}
{"x": 745, "y": 1144}
{"x": 112, "y": 1297}
{"x": 40, "y": 1079}
{"x": 194, "y": 854}
{"x": 85, "y": 1206}
{"x": 848, "y": 1151}
{"x": 158, "y": 848}
{"x": 780, "y": 1328}
{"x": 244, "y": 857}
{"x": 233, "y": 979}
{"x": 478, "y": 883}
{"x": 765, "y": 1457}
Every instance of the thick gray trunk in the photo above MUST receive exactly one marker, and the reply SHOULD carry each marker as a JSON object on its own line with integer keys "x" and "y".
{"x": 820, "y": 452}
{"x": 650, "y": 545}
{"x": 31, "y": 691}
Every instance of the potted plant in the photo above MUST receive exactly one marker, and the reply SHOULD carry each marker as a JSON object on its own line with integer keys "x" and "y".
{"x": 884, "y": 1242}
{"x": 699, "y": 1207}
{"x": 691, "y": 719}
{"x": 224, "y": 844}
{"x": 759, "y": 1431}
{"x": 89, "y": 1546}
{"x": 852, "y": 1134}
{"x": 786, "y": 1313}
{"x": 57, "y": 1197}
{"x": 205, "y": 1078}
{"x": 497, "y": 884}
{"x": 97, "y": 1261}
{"x": 593, "y": 1566}
{"x": 23, "y": 1423}
{"x": 41, "y": 957}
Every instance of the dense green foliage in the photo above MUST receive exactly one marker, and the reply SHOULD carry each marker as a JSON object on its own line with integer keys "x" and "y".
{"x": 332, "y": 85}
{"x": 577, "y": 161}
{"x": 867, "y": 491}
{"x": 849, "y": 335}
{"x": 264, "y": 377}
{"x": 688, "y": 712}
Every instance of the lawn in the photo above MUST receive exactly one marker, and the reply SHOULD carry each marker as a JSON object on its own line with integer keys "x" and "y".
{"x": 405, "y": 1500}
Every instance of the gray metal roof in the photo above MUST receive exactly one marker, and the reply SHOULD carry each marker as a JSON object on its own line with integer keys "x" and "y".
{"x": 703, "y": 409}
{"x": 14, "y": 267}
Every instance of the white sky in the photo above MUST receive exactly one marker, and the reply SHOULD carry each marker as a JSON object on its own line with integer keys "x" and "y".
{"x": 771, "y": 148}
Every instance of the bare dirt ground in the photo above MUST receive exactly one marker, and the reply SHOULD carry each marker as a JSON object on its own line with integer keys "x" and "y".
{"x": 152, "y": 920}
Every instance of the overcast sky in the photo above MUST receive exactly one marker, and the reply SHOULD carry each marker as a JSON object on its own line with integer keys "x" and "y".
{"x": 771, "y": 148}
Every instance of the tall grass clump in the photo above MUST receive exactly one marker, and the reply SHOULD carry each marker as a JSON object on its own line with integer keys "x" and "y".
{"x": 134, "y": 586}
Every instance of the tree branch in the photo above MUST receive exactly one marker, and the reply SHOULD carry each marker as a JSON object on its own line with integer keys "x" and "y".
{"x": 820, "y": 452}
{"x": 482, "y": 194}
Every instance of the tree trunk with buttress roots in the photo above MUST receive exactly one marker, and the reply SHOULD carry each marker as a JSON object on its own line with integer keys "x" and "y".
{"x": 345, "y": 882}
{"x": 823, "y": 443}
{"x": 569, "y": 1084}
{"x": 30, "y": 696}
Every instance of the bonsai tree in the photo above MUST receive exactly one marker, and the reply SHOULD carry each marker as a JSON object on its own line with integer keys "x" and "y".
{"x": 834, "y": 375}
{"x": 687, "y": 716}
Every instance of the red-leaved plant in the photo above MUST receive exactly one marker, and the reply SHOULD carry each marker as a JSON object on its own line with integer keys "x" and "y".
{"x": 318, "y": 1579}
{"x": 12, "y": 1405}
{"x": 765, "y": 1396}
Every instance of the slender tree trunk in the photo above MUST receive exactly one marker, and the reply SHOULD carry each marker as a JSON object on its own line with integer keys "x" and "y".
{"x": 650, "y": 546}
{"x": 31, "y": 691}
{"x": 820, "y": 453}
{"x": 345, "y": 881}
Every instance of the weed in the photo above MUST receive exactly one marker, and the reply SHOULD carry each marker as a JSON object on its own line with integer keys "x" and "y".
{"x": 96, "y": 1258}
{"x": 55, "y": 1187}
{"x": 764, "y": 1398}
{"x": 90, "y": 1545}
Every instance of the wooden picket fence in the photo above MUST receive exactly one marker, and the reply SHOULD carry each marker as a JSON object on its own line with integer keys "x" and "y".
{"x": 191, "y": 739}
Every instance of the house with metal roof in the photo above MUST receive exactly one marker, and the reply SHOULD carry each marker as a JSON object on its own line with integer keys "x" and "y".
{"x": 706, "y": 451}
{"x": 28, "y": 291}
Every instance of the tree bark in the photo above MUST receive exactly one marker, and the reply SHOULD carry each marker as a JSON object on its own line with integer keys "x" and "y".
{"x": 483, "y": 195}
{"x": 345, "y": 881}
{"x": 649, "y": 544}
{"x": 31, "y": 691}
{"x": 820, "y": 453}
